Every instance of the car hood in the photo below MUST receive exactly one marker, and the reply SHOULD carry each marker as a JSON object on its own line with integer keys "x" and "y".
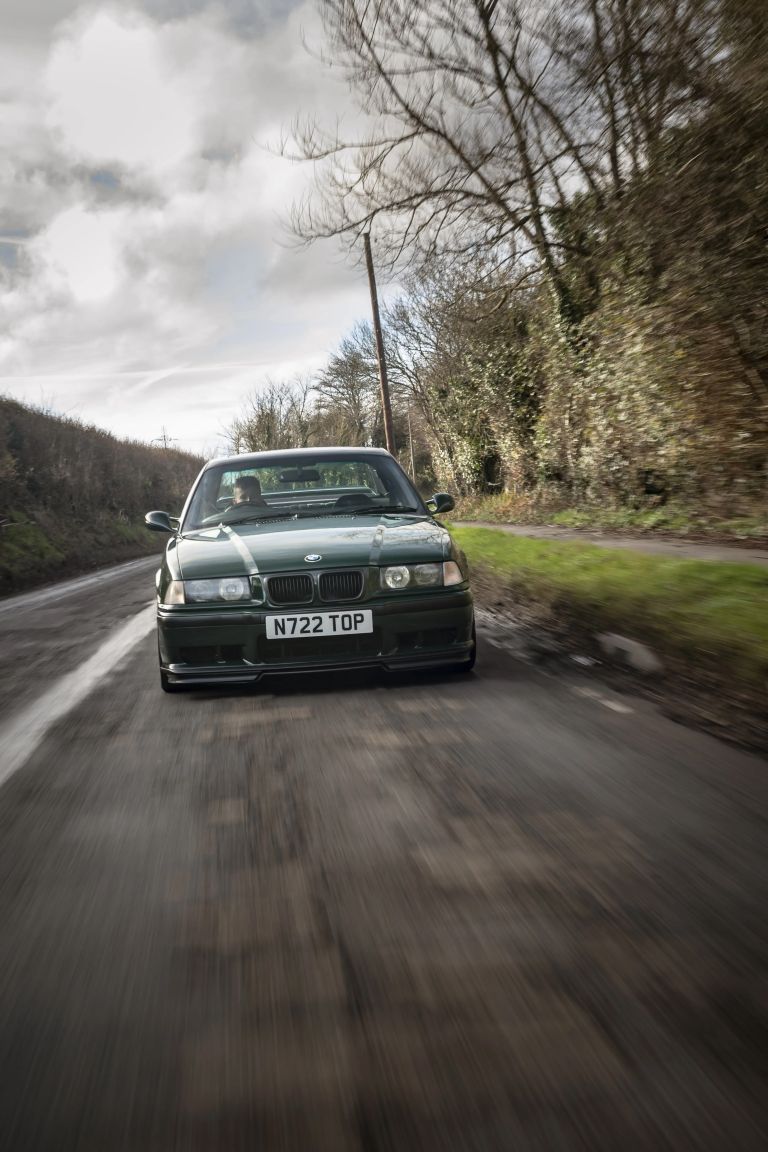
{"x": 282, "y": 547}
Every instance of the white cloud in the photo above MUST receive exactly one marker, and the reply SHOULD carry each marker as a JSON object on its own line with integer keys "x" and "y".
{"x": 115, "y": 95}
{"x": 140, "y": 175}
{"x": 84, "y": 247}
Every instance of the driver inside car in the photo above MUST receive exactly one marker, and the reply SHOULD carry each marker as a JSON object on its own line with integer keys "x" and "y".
{"x": 247, "y": 490}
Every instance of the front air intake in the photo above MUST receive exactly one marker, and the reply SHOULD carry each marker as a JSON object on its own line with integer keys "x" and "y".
{"x": 341, "y": 586}
{"x": 295, "y": 589}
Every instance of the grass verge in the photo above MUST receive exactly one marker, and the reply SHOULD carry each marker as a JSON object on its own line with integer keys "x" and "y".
{"x": 708, "y": 615}
{"x": 671, "y": 519}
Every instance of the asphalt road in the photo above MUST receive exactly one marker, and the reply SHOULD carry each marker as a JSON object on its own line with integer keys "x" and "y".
{"x": 513, "y": 911}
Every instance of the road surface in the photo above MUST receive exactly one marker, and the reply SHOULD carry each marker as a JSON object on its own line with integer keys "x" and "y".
{"x": 513, "y": 911}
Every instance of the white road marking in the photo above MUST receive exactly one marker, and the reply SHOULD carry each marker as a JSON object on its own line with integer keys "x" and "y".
{"x": 592, "y": 694}
{"x": 20, "y": 736}
{"x": 70, "y": 587}
{"x": 615, "y": 706}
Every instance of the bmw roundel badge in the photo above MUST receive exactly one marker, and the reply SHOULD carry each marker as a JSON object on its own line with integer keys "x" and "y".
{"x": 313, "y": 558}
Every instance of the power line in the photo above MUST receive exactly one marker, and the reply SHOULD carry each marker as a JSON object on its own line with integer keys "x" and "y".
{"x": 164, "y": 438}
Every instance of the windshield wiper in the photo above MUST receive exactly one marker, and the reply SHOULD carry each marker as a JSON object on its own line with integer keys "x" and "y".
{"x": 254, "y": 519}
{"x": 376, "y": 510}
{"x": 305, "y": 514}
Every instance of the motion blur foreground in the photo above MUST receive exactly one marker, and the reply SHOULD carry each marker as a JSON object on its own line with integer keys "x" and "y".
{"x": 513, "y": 910}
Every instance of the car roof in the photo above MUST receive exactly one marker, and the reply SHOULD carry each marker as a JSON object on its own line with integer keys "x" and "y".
{"x": 246, "y": 459}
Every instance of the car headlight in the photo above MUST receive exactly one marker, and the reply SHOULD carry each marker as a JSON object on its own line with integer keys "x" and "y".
{"x": 229, "y": 589}
{"x": 427, "y": 575}
{"x": 400, "y": 576}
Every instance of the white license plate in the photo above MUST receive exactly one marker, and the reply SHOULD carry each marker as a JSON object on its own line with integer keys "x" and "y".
{"x": 319, "y": 624}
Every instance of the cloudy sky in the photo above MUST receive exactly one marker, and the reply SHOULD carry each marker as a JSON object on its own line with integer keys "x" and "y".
{"x": 146, "y": 281}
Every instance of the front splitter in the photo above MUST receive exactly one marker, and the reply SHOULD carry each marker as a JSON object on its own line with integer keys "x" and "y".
{"x": 207, "y": 677}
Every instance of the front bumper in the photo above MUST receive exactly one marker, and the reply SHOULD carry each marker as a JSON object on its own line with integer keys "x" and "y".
{"x": 229, "y": 645}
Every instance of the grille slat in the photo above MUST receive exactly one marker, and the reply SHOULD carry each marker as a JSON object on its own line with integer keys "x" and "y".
{"x": 296, "y": 589}
{"x": 341, "y": 585}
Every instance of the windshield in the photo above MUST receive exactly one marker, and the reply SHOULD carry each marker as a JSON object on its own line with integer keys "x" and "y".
{"x": 325, "y": 486}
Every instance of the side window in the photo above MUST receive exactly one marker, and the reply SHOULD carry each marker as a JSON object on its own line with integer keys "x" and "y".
{"x": 226, "y": 486}
{"x": 377, "y": 483}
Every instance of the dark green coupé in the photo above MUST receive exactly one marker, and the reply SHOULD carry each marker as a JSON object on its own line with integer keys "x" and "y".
{"x": 308, "y": 560}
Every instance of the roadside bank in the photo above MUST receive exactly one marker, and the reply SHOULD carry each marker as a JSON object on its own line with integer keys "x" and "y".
{"x": 737, "y": 525}
{"x": 38, "y": 549}
{"x": 693, "y": 633}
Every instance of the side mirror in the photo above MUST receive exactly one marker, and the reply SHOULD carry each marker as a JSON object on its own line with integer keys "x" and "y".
{"x": 159, "y": 522}
{"x": 441, "y": 502}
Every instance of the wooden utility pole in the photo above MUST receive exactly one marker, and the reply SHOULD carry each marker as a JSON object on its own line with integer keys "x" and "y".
{"x": 410, "y": 443}
{"x": 386, "y": 407}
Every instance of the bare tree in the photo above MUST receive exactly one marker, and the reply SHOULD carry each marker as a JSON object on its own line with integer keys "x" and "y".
{"x": 486, "y": 117}
{"x": 280, "y": 414}
{"x": 607, "y": 155}
{"x": 347, "y": 389}
{"x": 637, "y": 68}
{"x": 465, "y": 368}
